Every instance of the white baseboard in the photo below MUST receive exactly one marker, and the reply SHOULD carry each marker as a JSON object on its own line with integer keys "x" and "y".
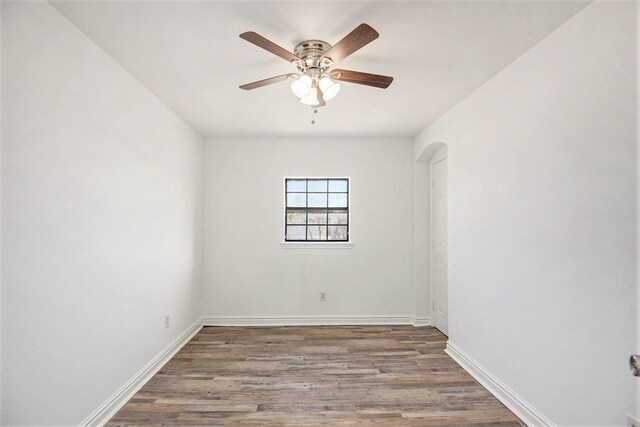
{"x": 311, "y": 320}
{"x": 113, "y": 404}
{"x": 523, "y": 410}
{"x": 421, "y": 321}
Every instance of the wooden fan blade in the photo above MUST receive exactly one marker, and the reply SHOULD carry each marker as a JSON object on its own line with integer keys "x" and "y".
{"x": 268, "y": 81}
{"x": 361, "y": 78}
{"x": 356, "y": 39}
{"x": 260, "y": 41}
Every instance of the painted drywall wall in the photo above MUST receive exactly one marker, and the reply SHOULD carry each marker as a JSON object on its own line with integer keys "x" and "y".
{"x": 422, "y": 239}
{"x": 246, "y": 270}
{"x": 541, "y": 219}
{"x": 101, "y": 217}
{"x": 0, "y": 225}
{"x": 637, "y": 349}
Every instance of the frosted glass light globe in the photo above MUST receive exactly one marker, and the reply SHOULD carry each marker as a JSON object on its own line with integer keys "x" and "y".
{"x": 301, "y": 87}
{"x": 312, "y": 99}
{"x": 329, "y": 89}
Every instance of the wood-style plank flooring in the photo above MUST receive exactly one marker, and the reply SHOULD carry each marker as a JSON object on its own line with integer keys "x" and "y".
{"x": 314, "y": 375}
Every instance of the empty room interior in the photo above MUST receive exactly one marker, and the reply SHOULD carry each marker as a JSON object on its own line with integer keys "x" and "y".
{"x": 266, "y": 213}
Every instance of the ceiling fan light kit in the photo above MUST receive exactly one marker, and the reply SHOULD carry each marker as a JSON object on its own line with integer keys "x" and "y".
{"x": 314, "y": 82}
{"x": 301, "y": 87}
{"x": 312, "y": 99}
{"x": 329, "y": 88}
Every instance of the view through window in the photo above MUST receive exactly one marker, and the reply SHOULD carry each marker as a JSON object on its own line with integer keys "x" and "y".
{"x": 317, "y": 209}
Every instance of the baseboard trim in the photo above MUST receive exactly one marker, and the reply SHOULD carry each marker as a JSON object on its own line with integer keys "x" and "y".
{"x": 113, "y": 404}
{"x": 421, "y": 321}
{"x": 311, "y": 320}
{"x": 523, "y": 409}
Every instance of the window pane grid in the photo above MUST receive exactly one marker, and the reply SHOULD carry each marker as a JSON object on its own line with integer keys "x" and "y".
{"x": 315, "y": 218}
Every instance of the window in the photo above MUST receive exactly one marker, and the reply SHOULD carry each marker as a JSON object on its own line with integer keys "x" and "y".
{"x": 317, "y": 209}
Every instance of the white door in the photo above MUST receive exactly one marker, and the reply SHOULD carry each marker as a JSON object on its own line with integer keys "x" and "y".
{"x": 439, "y": 242}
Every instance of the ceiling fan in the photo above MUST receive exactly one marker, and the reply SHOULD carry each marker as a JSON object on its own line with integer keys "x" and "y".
{"x": 314, "y": 82}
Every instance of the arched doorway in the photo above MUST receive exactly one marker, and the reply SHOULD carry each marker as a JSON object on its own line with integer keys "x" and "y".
{"x": 438, "y": 231}
{"x": 431, "y": 235}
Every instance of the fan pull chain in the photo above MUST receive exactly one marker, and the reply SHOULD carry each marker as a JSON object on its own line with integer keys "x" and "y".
{"x": 313, "y": 115}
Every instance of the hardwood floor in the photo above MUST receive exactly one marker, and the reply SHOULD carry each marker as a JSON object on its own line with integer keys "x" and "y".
{"x": 314, "y": 375}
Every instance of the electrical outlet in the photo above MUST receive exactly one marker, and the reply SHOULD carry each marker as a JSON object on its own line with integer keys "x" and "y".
{"x": 166, "y": 321}
{"x": 323, "y": 295}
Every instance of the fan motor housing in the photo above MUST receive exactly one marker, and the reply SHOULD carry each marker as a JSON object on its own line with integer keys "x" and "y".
{"x": 310, "y": 52}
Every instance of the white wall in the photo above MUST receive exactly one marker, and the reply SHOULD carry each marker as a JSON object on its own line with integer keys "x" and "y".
{"x": 637, "y": 349}
{"x": 100, "y": 217}
{"x": 541, "y": 219}
{"x": 0, "y": 221}
{"x": 246, "y": 270}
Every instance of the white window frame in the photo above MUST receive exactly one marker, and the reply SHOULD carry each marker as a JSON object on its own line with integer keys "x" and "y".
{"x": 319, "y": 244}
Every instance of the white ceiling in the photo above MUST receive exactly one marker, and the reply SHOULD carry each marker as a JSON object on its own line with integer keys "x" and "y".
{"x": 189, "y": 54}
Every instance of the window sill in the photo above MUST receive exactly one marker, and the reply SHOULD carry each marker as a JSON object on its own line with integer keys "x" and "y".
{"x": 317, "y": 245}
